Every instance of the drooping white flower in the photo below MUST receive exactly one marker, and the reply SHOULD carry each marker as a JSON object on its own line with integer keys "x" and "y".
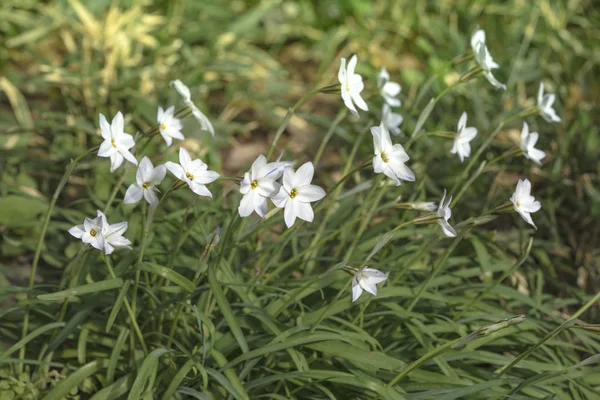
{"x": 147, "y": 179}
{"x": 528, "y": 141}
{"x": 444, "y": 213}
{"x": 389, "y": 90}
{"x": 296, "y": 194}
{"x": 351, "y": 86}
{"x": 544, "y": 102}
{"x": 524, "y": 202}
{"x": 116, "y": 143}
{"x": 259, "y": 185}
{"x": 169, "y": 126}
{"x": 194, "y": 172}
{"x": 391, "y": 120}
{"x": 463, "y": 136}
{"x": 484, "y": 58}
{"x": 184, "y": 91}
{"x": 389, "y": 158}
{"x": 90, "y": 232}
{"x": 366, "y": 279}
{"x": 113, "y": 234}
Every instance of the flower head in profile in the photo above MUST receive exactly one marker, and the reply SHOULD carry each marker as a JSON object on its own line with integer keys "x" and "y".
{"x": 146, "y": 183}
{"x": 259, "y": 185}
{"x": 444, "y": 213}
{"x": 391, "y": 120}
{"x": 169, "y": 126}
{"x": 484, "y": 58}
{"x": 113, "y": 235}
{"x": 366, "y": 279}
{"x": 463, "y": 136}
{"x": 544, "y": 102}
{"x": 524, "y": 202}
{"x": 296, "y": 194}
{"x": 90, "y": 232}
{"x": 184, "y": 91}
{"x": 351, "y": 86}
{"x": 389, "y": 158}
{"x": 389, "y": 90}
{"x": 116, "y": 143}
{"x": 528, "y": 141}
{"x": 194, "y": 172}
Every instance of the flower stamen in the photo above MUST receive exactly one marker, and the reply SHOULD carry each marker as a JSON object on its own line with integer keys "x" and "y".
{"x": 254, "y": 184}
{"x": 114, "y": 143}
{"x": 189, "y": 176}
{"x": 293, "y": 193}
{"x": 163, "y": 127}
{"x": 93, "y": 233}
{"x": 385, "y": 157}
{"x": 146, "y": 185}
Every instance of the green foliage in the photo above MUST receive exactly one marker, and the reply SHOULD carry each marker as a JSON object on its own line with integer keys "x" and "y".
{"x": 211, "y": 306}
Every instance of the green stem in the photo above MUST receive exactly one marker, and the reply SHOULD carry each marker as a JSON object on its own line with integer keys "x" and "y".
{"x": 329, "y": 134}
{"x": 38, "y": 249}
{"x": 287, "y": 119}
{"x": 130, "y": 311}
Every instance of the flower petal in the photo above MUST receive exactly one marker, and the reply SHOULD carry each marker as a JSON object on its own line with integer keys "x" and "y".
{"x": 133, "y": 194}
{"x": 310, "y": 193}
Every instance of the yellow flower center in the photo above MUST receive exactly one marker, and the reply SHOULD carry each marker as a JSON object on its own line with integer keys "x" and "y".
{"x": 163, "y": 127}
{"x": 114, "y": 143}
{"x": 347, "y": 88}
{"x": 146, "y": 185}
{"x": 384, "y": 157}
{"x": 293, "y": 193}
{"x": 254, "y": 184}
{"x": 518, "y": 204}
{"x": 189, "y": 176}
{"x": 93, "y": 232}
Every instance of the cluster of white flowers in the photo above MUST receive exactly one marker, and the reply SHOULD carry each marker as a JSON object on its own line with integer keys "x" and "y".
{"x": 390, "y": 158}
{"x": 292, "y": 189}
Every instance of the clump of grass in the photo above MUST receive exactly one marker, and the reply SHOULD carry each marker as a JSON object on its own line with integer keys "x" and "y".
{"x": 211, "y": 305}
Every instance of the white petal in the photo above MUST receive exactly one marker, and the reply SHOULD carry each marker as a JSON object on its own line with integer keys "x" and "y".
{"x": 356, "y": 289}
{"x": 133, "y": 194}
{"x": 150, "y": 196}
{"x": 310, "y": 193}
{"x": 182, "y": 89}
{"x": 175, "y": 169}
{"x": 77, "y": 231}
{"x": 304, "y": 210}
{"x": 281, "y": 198}
{"x": 199, "y": 189}
{"x": 342, "y": 72}
{"x": 352, "y": 66}
{"x": 128, "y": 156}
{"x": 248, "y": 203}
{"x": 184, "y": 158}
{"x": 106, "y": 149}
{"x": 144, "y": 171}
{"x": 205, "y": 177}
{"x": 115, "y": 161}
{"x": 118, "y": 125}
{"x": 290, "y": 213}
{"x": 447, "y": 229}
{"x": 303, "y": 175}
{"x": 105, "y": 128}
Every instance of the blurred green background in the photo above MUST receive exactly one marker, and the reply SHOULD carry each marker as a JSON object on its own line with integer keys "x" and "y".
{"x": 63, "y": 62}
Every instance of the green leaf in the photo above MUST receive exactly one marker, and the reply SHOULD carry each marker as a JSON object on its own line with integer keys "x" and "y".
{"x": 19, "y": 210}
{"x": 39, "y": 331}
{"x": 169, "y": 274}
{"x": 74, "y": 379}
{"x": 146, "y": 372}
{"x": 84, "y": 289}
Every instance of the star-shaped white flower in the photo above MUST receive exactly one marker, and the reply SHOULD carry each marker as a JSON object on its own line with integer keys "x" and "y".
{"x": 113, "y": 234}
{"x": 259, "y": 185}
{"x": 524, "y": 202}
{"x": 528, "y": 141}
{"x": 444, "y": 213}
{"x": 169, "y": 126}
{"x": 389, "y": 90}
{"x": 389, "y": 158}
{"x": 544, "y": 102}
{"x": 296, "y": 194}
{"x": 484, "y": 58}
{"x": 391, "y": 120}
{"x": 351, "y": 86}
{"x": 147, "y": 179}
{"x": 463, "y": 136}
{"x": 184, "y": 91}
{"x": 116, "y": 143}
{"x": 194, "y": 172}
{"x": 366, "y": 279}
{"x": 90, "y": 232}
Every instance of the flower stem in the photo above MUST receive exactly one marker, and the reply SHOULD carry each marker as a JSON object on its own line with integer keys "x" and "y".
{"x": 38, "y": 249}
{"x": 287, "y": 119}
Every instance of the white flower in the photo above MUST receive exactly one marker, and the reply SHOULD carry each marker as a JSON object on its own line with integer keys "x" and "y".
{"x": 484, "y": 58}
{"x": 296, "y": 194}
{"x": 147, "y": 179}
{"x": 113, "y": 234}
{"x": 90, "y": 232}
{"x": 184, "y": 91}
{"x": 352, "y": 85}
{"x": 528, "y": 140}
{"x": 195, "y": 173}
{"x": 462, "y": 138}
{"x": 545, "y": 105}
{"x": 389, "y": 158}
{"x": 389, "y": 90}
{"x": 391, "y": 120}
{"x": 259, "y": 185}
{"x": 524, "y": 202}
{"x": 169, "y": 126}
{"x": 444, "y": 213}
{"x": 366, "y": 279}
{"x": 116, "y": 143}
